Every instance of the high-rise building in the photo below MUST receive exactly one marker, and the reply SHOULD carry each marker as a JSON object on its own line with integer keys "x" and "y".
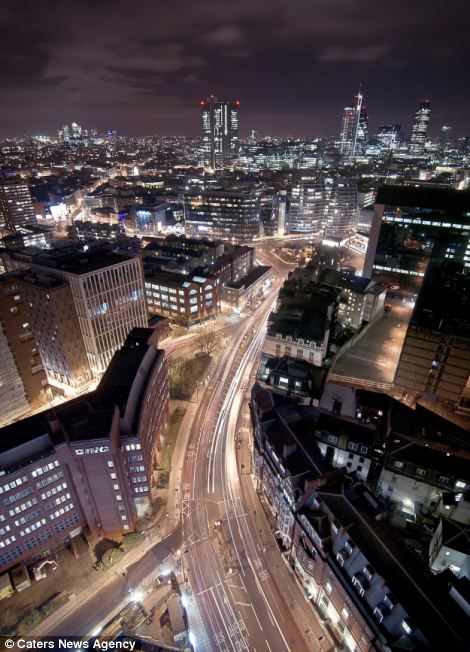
{"x": 420, "y": 128}
{"x": 362, "y": 135}
{"x": 435, "y": 358}
{"x": 413, "y": 226}
{"x": 354, "y": 127}
{"x": 219, "y": 131}
{"x": 308, "y": 204}
{"x": 445, "y": 134}
{"x": 390, "y": 136}
{"x": 107, "y": 290}
{"x": 23, "y": 381}
{"x": 342, "y": 210}
{"x": 231, "y": 214}
{"x": 53, "y": 320}
{"x": 16, "y": 206}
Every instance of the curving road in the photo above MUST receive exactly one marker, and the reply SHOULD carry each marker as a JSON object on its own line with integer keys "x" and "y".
{"x": 238, "y": 598}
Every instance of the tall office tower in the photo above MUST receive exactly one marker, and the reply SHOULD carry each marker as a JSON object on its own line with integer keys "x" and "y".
{"x": 446, "y": 131}
{"x": 19, "y": 359}
{"x": 231, "y": 214}
{"x": 362, "y": 135}
{"x": 107, "y": 290}
{"x": 420, "y": 128}
{"x": 16, "y": 206}
{"x": 342, "y": 209}
{"x": 308, "y": 204}
{"x": 64, "y": 134}
{"x": 390, "y": 136}
{"x": 219, "y": 131}
{"x": 435, "y": 358}
{"x": 413, "y": 226}
{"x": 281, "y": 212}
{"x": 53, "y": 320}
{"x": 353, "y": 117}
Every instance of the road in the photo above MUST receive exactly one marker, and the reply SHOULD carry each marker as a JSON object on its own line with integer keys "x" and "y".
{"x": 237, "y": 596}
{"x": 114, "y": 595}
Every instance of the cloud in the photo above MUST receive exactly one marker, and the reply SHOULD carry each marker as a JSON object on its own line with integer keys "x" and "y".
{"x": 224, "y": 35}
{"x": 366, "y": 54}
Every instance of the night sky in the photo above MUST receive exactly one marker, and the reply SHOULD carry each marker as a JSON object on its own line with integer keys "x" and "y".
{"x": 141, "y": 66}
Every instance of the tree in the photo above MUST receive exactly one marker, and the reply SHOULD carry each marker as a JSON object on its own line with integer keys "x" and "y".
{"x": 179, "y": 374}
{"x": 209, "y": 341}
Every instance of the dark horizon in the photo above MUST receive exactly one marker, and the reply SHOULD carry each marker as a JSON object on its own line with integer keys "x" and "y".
{"x": 294, "y": 71}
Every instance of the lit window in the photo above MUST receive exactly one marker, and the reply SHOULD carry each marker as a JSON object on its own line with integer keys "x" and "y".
{"x": 407, "y": 626}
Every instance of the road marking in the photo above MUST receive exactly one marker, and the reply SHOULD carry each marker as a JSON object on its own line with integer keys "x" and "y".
{"x": 208, "y": 589}
{"x": 269, "y": 647}
{"x": 244, "y": 604}
{"x": 256, "y": 616}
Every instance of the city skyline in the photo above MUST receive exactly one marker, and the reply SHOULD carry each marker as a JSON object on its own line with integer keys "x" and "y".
{"x": 293, "y": 73}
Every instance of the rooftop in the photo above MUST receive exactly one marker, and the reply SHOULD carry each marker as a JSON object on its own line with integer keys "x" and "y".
{"x": 253, "y": 276}
{"x": 405, "y": 575}
{"x": 446, "y": 199}
{"x": 90, "y": 416}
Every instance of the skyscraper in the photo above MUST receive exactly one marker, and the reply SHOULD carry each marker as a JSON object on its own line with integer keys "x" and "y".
{"x": 219, "y": 130}
{"x": 420, "y": 128}
{"x": 354, "y": 130}
{"x": 16, "y": 206}
{"x": 362, "y": 134}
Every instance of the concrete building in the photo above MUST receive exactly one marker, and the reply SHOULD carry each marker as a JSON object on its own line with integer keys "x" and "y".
{"x": 23, "y": 381}
{"x": 53, "y": 320}
{"x": 107, "y": 290}
{"x": 16, "y": 206}
{"x": 236, "y": 262}
{"x": 88, "y": 465}
{"x": 361, "y": 300}
{"x": 450, "y": 549}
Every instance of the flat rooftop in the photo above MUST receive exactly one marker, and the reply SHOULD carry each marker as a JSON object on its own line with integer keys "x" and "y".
{"x": 443, "y": 199}
{"x": 253, "y": 276}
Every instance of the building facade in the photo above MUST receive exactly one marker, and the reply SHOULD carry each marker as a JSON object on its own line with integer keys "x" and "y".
{"x": 89, "y": 465}
{"x": 16, "y": 206}
{"x": 219, "y": 131}
{"x": 186, "y": 299}
{"x": 229, "y": 214}
{"x": 420, "y": 128}
{"x": 24, "y": 382}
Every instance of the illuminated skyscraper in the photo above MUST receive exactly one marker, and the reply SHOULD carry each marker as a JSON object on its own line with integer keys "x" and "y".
{"x": 362, "y": 134}
{"x": 354, "y": 130}
{"x": 16, "y": 206}
{"x": 219, "y": 130}
{"x": 420, "y": 128}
